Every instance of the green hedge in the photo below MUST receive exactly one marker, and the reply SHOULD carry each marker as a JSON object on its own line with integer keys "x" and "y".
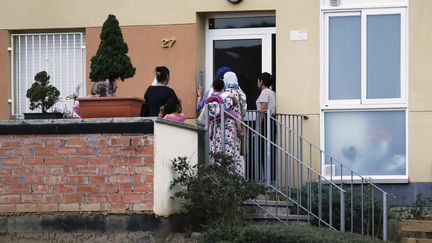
{"x": 270, "y": 233}
{"x": 275, "y": 233}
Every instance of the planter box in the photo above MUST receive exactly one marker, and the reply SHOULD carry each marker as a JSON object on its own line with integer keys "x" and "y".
{"x": 94, "y": 107}
{"x": 49, "y": 115}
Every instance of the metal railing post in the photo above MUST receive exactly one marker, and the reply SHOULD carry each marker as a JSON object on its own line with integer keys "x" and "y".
{"x": 222, "y": 124}
{"x": 268, "y": 152}
{"x": 342, "y": 211}
{"x": 206, "y": 135}
{"x": 384, "y": 216}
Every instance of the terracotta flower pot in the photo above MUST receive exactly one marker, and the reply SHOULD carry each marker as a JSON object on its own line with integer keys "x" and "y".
{"x": 94, "y": 107}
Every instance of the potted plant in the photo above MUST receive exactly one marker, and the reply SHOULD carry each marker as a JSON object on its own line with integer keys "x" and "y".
{"x": 111, "y": 63}
{"x": 42, "y": 96}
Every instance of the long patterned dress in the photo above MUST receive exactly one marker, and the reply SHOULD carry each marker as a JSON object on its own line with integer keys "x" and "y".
{"x": 232, "y": 141}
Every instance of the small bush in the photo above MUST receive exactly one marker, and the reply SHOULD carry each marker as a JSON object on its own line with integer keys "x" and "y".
{"x": 214, "y": 193}
{"x": 275, "y": 233}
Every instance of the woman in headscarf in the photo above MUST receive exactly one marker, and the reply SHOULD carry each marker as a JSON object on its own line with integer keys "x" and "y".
{"x": 232, "y": 140}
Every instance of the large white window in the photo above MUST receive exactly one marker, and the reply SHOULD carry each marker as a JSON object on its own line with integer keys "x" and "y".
{"x": 364, "y": 90}
{"x": 62, "y": 55}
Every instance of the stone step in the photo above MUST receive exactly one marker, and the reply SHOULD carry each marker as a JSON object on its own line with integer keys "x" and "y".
{"x": 268, "y": 216}
{"x": 264, "y": 202}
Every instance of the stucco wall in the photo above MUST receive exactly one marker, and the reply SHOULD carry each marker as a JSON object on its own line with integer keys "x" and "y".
{"x": 170, "y": 142}
{"x": 146, "y": 53}
{"x": 4, "y": 74}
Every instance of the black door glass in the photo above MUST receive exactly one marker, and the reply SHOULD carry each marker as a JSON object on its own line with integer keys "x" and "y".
{"x": 242, "y": 22}
{"x": 244, "y": 57}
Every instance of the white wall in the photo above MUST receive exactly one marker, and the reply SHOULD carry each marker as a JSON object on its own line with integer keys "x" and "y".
{"x": 170, "y": 141}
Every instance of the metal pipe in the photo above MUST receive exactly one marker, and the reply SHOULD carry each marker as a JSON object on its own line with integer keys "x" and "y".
{"x": 384, "y": 216}
{"x": 206, "y": 135}
{"x": 222, "y": 124}
{"x": 268, "y": 154}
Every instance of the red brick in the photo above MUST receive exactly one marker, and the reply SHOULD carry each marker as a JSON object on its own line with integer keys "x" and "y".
{"x": 92, "y": 198}
{"x": 23, "y": 171}
{"x": 34, "y": 161}
{"x": 137, "y": 141}
{"x": 132, "y": 197}
{"x": 6, "y": 153}
{"x": 10, "y": 143}
{"x": 44, "y": 152}
{"x": 5, "y": 171}
{"x": 12, "y": 161}
{"x": 10, "y": 180}
{"x": 72, "y": 198}
{"x": 29, "y": 207}
{"x": 125, "y": 188}
{"x": 42, "y": 188}
{"x": 9, "y": 199}
{"x": 52, "y": 198}
{"x": 106, "y": 170}
{"x": 96, "y": 179}
{"x": 110, "y": 151}
{"x": 32, "y": 198}
{"x": 10, "y": 208}
{"x": 149, "y": 159}
{"x": 145, "y": 150}
{"x": 110, "y": 188}
{"x": 86, "y": 151}
{"x": 149, "y": 179}
{"x": 75, "y": 179}
{"x": 76, "y": 161}
{"x": 123, "y": 142}
{"x": 69, "y": 207}
{"x": 67, "y": 170}
{"x": 139, "y": 179}
{"x": 106, "y": 207}
{"x": 125, "y": 170}
{"x": 118, "y": 207}
{"x": 142, "y": 207}
{"x": 129, "y": 151}
{"x": 86, "y": 188}
{"x": 5, "y": 189}
{"x": 66, "y": 151}
{"x": 143, "y": 188}
{"x": 119, "y": 160}
{"x": 24, "y": 152}
{"x": 64, "y": 188}
{"x": 99, "y": 160}
{"x": 90, "y": 207}
{"x": 25, "y": 136}
{"x": 97, "y": 142}
{"x": 120, "y": 179}
{"x": 47, "y": 207}
{"x": 86, "y": 170}
{"x": 21, "y": 189}
{"x": 55, "y": 161}
{"x": 75, "y": 143}
{"x": 41, "y": 171}
{"x": 115, "y": 197}
{"x": 32, "y": 142}
{"x": 33, "y": 180}
{"x": 143, "y": 170}
{"x": 136, "y": 160}
{"x": 53, "y": 180}
{"x": 54, "y": 143}
{"x": 111, "y": 134}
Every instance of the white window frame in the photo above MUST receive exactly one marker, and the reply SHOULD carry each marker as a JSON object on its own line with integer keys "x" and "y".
{"x": 365, "y": 8}
{"x": 364, "y": 102}
{"x": 15, "y": 89}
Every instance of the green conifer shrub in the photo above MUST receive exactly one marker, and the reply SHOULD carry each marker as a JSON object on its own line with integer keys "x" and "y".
{"x": 41, "y": 94}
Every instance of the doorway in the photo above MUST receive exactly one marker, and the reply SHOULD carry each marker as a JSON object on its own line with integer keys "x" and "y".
{"x": 246, "y": 44}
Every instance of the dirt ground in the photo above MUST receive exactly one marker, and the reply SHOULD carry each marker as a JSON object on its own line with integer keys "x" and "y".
{"x": 141, "y": 237}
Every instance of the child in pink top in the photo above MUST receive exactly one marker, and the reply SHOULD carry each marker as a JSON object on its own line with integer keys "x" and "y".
{"x": 173, "y": 110}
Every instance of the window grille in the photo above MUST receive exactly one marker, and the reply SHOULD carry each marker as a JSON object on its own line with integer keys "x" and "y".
{"x": 62, "y": 55}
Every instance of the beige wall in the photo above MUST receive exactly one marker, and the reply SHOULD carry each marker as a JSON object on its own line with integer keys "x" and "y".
{"x": 146, "y": 53}
{"x": 4, "y": 75}
{"x": 169, "y": 141}
{"x": 420, "y": 91}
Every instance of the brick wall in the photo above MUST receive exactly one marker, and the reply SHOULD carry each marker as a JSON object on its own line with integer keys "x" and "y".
{"x": 81, "y": 172}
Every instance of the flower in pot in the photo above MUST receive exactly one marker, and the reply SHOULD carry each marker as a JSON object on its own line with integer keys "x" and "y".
{"x": 43, "y": 96}
{"x": 110, "y": 63}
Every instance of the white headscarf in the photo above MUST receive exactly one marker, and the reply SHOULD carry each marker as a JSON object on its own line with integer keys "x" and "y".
{"x": 230, "y": 80}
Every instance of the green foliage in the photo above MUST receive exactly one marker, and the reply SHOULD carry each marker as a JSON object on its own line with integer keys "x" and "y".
{"x": 417, "y": 210}
{"x": 213, "y": 192}
{"x": 111, "y": 60}
{"x": 41, "y": 94}
{"x": 275, "y": 233}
